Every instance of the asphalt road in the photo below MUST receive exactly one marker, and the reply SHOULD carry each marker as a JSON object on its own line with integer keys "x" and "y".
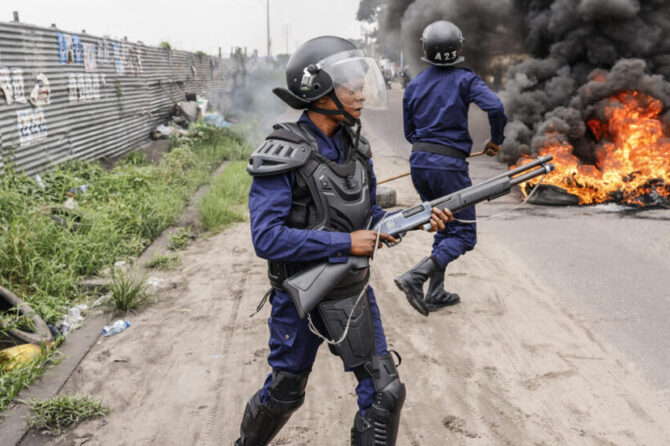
{"x": 610, "y": 265}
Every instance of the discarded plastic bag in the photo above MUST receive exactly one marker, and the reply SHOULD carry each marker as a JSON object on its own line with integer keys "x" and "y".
{"x": 18, "y": 355}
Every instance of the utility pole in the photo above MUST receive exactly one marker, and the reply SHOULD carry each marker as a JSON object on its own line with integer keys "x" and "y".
{"x": 267, "y": 6}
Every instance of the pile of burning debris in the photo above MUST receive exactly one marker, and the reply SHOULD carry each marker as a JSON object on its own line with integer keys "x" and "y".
{"x": 594, "y": 95}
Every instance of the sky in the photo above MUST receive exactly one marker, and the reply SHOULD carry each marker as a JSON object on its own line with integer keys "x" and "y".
{"x": 195, "y": 25}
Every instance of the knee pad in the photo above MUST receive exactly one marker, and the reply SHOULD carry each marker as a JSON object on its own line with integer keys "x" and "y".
{"x": 379, "y": 425}
{"x": 262, "y": 421}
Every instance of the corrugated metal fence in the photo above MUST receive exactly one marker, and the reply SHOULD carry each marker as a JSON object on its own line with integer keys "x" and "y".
{"x": 105, "y": 95}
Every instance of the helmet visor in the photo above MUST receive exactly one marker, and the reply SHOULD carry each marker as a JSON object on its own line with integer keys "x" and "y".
{"x": 357, "y": 80}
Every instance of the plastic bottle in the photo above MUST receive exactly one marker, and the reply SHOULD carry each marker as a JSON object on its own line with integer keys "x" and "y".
{"x": 115, "y": 328}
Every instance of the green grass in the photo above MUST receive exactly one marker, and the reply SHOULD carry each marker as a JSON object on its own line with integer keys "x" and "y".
{"x": 54, "y": 414}
{"x": 44, "y": 256}
{"x": 129, "y": 292}
{"x": 164, "y": 261}
{"x": 181, "y": 238}
{"x": 226, "y": 201}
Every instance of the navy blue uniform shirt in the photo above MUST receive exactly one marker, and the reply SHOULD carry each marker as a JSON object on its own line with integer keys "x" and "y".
{"x": 435, "y": 110}
{"x": 270, "y": 203}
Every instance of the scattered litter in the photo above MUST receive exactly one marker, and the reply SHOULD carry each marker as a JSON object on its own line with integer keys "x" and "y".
{"x": 80, "y": 189}
{"x": 166, "y": 131}
{"x": 217, "y": 120}
{"x": 39, "y": 181}
{"x": 19, "y": 354}
{"x": 189, "y": 110}
{"x": 116, "y": 327}
{"x": 70, "y": 202}
{"x": 202, "y": 104}
{"x": 72, "y": 320}
{"x": 217, "y": 356}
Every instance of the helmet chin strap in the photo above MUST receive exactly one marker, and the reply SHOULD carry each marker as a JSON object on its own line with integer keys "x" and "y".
{"x": 349, "y": 119}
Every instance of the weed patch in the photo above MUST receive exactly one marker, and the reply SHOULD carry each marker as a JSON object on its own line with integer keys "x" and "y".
{"x": 181, "y": 238}
{"x": 164, "y": 261}
{"x": 129, "y": 292}
{"x": 53, "y": 414}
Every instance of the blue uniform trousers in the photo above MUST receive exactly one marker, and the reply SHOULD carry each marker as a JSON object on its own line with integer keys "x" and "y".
{"x": 458, "y": 237}
{"x": 293, "y": 346}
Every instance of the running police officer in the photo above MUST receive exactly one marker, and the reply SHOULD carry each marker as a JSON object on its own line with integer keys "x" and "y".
{"x": 312, "y": 199}
{"x": 435, "y": 111}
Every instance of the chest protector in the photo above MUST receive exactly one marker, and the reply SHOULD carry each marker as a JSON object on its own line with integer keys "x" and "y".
{"x": 325, "y": 195}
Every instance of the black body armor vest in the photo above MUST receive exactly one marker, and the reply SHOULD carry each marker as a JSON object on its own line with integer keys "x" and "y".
{"x": 325, "y": 195}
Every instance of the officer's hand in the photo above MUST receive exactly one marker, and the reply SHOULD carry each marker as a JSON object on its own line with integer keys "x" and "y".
{"x": 363, "y": 242}
{"x": 439, "y": 219}
{"x": 491, "y": 149}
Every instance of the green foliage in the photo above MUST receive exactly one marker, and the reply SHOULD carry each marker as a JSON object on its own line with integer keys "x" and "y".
{"x": 181, "y": 238}
{"x": 16, "y": 379}
{"x": 129, "y": 293}
{"x": 164, "y": 261}
{"x": 53, "y": 414}
{"x": 135, "y": 158}
{"x": 225, "y": 202}
{"x": 46, "y": 249}
{"x": 165, "y": 45}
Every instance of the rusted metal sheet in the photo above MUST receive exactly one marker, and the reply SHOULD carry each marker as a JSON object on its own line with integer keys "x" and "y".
{"x": 105, "y": 94}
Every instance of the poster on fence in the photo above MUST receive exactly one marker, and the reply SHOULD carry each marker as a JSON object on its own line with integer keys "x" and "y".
{"x": 32, "y": 125}
{"x": 90, "y": 62}
{"x": 70, "y": 50}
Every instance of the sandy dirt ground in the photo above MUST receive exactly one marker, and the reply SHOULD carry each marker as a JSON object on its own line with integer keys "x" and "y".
{"x": 511, "y": 365}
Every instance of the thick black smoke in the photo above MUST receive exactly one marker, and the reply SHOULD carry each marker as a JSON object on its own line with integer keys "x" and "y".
{"x": 584, "y": 51}
{"x": 490, "y": 28}
{"x": 579, "y": 52}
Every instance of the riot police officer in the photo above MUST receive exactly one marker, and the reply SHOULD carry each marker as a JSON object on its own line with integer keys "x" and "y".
{"x": 312, "y": 199}
{"x": 435, "y": 112}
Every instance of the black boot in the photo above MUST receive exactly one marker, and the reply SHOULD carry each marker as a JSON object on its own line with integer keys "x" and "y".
{"x": 411, "y": 283}
{"x": 437, "y": 297}
{"x": 262, "y": 421}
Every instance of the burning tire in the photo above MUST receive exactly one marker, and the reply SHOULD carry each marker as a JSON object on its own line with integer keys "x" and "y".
{"x": 41, "y": 333}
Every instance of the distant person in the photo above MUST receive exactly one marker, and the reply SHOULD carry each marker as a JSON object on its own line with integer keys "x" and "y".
{"x": 311, "y": 199}
{"x": 435, "y": 109}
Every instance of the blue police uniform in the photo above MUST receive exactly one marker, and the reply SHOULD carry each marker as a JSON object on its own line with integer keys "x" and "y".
{"x": 293, "y": 346}
{"x": 435, "y": 111}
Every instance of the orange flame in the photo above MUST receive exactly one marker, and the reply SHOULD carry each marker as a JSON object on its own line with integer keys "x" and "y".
{"x": 632, "y": 155}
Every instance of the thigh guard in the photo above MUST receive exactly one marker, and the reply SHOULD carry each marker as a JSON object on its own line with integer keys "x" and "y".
{"x": 358, "y": 347}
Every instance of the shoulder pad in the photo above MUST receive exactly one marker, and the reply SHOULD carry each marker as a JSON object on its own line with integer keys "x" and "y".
{"x": 281, "y": 152}
{"x": 364, "y": 147}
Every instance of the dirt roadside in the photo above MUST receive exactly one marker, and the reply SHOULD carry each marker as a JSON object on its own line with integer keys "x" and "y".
{"x": 510, "y": 365}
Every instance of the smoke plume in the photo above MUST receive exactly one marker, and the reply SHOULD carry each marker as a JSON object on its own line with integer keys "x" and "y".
{"x": 578, "y": 53}
{"x": 490, "y": 27}
{"x": 584, "y": 51}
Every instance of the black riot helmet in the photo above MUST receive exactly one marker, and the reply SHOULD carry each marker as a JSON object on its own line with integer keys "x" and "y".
{"x": 442, "y": 44}
{"x": 328, "y": 64}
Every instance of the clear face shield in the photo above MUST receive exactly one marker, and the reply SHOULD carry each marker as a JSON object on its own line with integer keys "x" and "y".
{"x": 357, "y": 80}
